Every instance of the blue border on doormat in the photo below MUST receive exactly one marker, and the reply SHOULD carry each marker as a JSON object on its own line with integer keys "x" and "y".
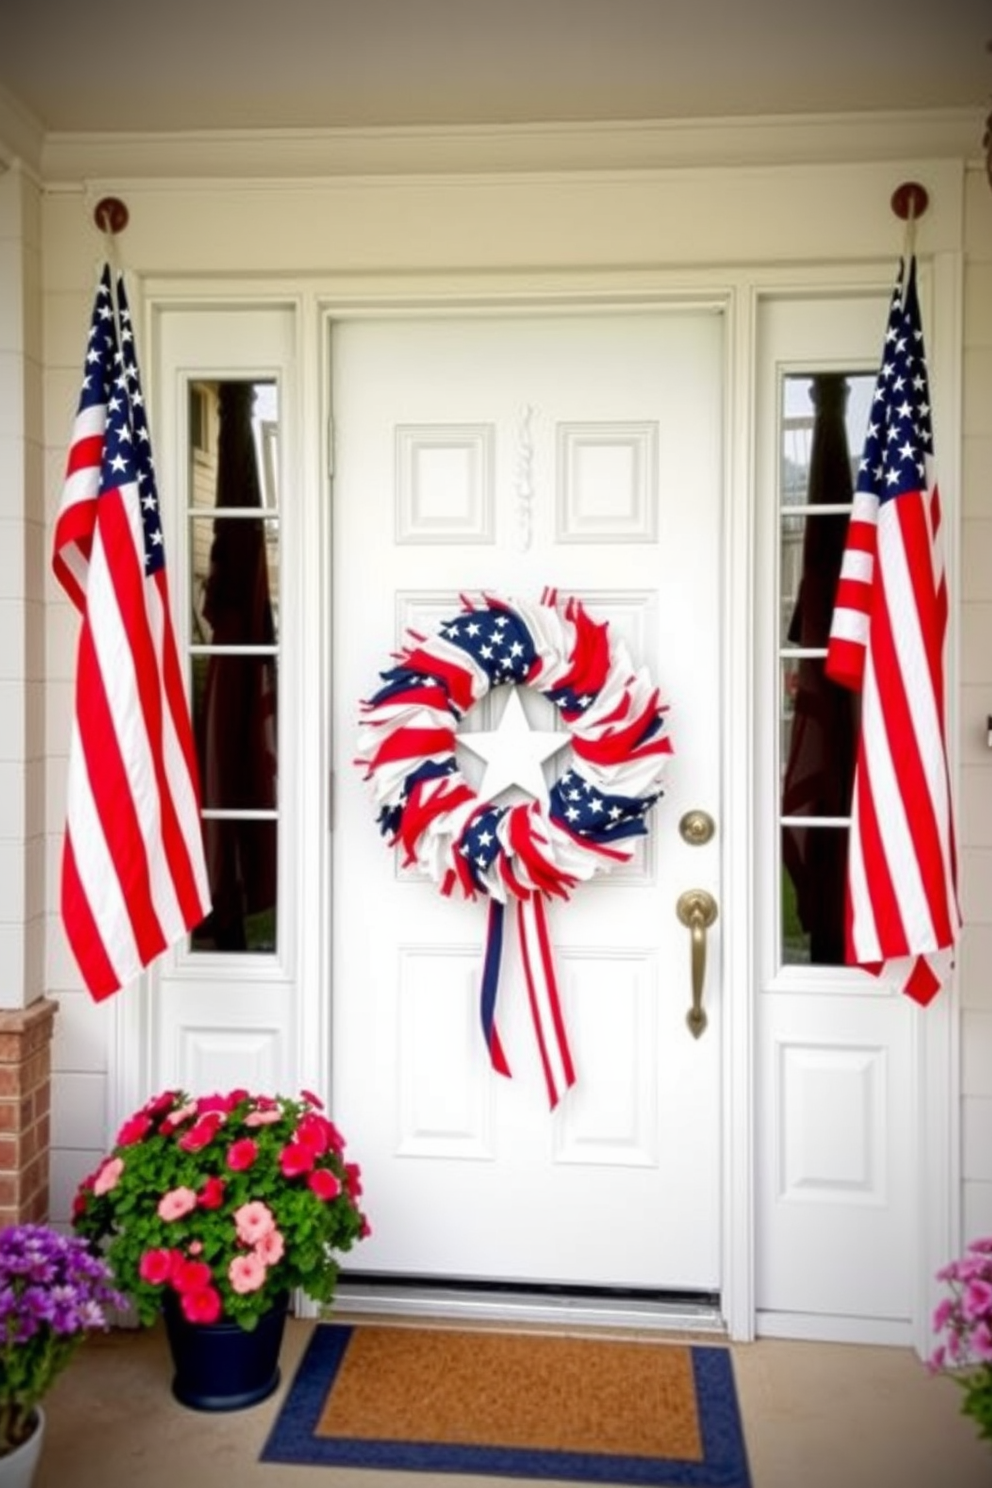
{"x": 294, "y": 1439}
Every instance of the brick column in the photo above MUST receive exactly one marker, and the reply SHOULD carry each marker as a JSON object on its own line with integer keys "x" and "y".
{"x": 25, "y": 1104}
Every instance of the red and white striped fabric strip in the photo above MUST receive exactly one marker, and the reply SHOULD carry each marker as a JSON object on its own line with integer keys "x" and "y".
{"x": 545, "y": 1003}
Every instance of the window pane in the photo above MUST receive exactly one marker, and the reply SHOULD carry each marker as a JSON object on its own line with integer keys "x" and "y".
{"x": 843, "y": 396}
{"x": 814, "y": 872}
{"x": 235, "y": 580}
{"x": 823, "y": 419}
{"x": 812, "y": 549}
{"x": 229, "y": 928}
{"x": 819, "y": 727}
{"x": 234, "y": 558}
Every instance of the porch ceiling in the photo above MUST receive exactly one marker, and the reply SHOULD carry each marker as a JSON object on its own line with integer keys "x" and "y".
{"x": 233, "y": 64}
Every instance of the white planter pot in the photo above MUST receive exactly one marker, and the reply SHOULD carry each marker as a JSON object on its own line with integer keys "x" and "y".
{"x": 17, "y": 1468}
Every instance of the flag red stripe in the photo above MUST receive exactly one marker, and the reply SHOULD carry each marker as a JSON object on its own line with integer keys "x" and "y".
{"x": 85, "y": 454}
{"x": 112, "y": 795}
{"x": 883, "y": 909}
{"x": 82, "y": 930}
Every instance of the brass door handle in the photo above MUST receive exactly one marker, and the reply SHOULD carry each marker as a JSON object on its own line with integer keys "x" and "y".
{"x": 697, "y": 910}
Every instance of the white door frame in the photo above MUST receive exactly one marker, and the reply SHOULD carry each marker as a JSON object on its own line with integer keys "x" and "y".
{"x": 318, "y": 303}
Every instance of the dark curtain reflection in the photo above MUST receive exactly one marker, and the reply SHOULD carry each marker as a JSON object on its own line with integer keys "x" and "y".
{"x": 237, "y": 723}
{"x": 819, "y": 773}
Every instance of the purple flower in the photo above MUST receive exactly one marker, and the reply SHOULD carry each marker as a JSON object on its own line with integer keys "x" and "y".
{"x": 53, "y": 1292}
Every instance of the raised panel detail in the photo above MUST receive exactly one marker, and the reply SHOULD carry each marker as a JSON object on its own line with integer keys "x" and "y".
{"x": 444, "y": 483}
{"x": 611, "y": 1115}
{"x": 444, "y": 1093}
{"x": 607, "y": 482}
{"x": 226, "y": 1058}
{"x": 832, "y": 1124}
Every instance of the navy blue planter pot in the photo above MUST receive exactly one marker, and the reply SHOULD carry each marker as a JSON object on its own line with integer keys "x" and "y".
{"x": 221, "y": 1366}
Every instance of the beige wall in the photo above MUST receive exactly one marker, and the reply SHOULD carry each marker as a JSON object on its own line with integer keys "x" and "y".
{"x": 446, "y": 235}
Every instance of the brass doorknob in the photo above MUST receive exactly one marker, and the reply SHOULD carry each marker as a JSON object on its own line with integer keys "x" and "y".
{"x": 697, "y": 910}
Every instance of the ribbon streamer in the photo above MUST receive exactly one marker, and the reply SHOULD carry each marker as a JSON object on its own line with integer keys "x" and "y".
{"x": 542, "y": 993}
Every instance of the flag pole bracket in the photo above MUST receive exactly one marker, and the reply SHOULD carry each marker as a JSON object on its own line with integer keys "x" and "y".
{"x": 110, "y": 214}
{"x": 910, "y": 201}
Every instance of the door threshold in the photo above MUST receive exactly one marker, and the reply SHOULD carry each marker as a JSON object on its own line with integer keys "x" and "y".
{"x": 529, "y": 1307}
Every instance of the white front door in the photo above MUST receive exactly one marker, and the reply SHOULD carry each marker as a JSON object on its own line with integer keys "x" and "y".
{"x": 503, "y": 454}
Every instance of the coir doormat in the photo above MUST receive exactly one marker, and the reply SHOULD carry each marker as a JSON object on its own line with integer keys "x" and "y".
{"x": 435, "y": 1400}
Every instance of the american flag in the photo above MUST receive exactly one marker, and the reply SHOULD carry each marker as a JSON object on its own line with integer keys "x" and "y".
{"x": 887, "y": 640}
{"x": 133, "y": 874}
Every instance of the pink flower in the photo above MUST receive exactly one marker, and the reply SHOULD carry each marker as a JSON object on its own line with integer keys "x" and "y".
{"x": 945, "y": 1309}
{"x": 977, "y": 1299}
{"x": 175, "y": 1204}
{"x": 108, "y": 1175}
{"x": 211, "y": 1195}
{"x": 335, "y": 1138}
{"x": 365, "y": 1229}
{"x": 241, "y": 1154}
{"x": 203, "y": 1306}
{"x": 295, "y": 1159}
{"x": 246, "y": 1273}
{"x": 224, "y": 1104}
{"x": 263, "y": 1118}
{"x": 312, "y": 1100}
{"x": 133, "y": 1130}
{"x": 191, "y": 1276}
{"x": 313, "y": 1133}
{"x": 177, "y": 1117}
{"x": 156, "y": 1266}
{"x": 252, "y": 1221}
{"x": 271, "y": 1248}
{"x": 195, "y": 1248}
{"x": 353, "y": 1179}
{"x": 159, "y": 1104}
{"x": 325, "y": 1184}
{"x": 202, "y": 1133}
{"x": 981, "y": 1342}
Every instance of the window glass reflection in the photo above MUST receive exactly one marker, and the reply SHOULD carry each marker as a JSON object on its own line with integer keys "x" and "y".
{"x": 818, "y": 720}
{"x": 234, "y": 557}
{"x": 814, "y": 867}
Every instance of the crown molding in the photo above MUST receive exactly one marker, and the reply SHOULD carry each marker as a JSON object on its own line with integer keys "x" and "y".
{"x": 300, "y": 154}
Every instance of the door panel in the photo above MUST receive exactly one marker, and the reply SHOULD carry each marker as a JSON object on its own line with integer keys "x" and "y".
{"x": 505, "y": 454}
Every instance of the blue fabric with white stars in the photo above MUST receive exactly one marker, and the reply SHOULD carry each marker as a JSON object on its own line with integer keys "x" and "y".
{"x": 900, "y": 429}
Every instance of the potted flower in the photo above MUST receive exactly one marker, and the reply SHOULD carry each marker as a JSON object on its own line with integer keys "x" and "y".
{"x": 212, "y": 1210}
{"x": 53, "y": 1293}
{"x": 964, "y": 1322}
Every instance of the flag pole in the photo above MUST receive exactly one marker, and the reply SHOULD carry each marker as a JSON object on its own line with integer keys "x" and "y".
{"x": 909, "y": 202}
{"x": 111, "y": 217}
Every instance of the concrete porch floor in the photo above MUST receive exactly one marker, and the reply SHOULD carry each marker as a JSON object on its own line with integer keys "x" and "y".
{"x": 815, "y": 1416}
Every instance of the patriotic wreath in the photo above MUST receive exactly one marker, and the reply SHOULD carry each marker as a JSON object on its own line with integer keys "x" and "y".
{"x": 516, "y": 853}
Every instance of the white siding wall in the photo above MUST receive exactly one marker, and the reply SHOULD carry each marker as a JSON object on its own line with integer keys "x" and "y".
{"x": 22, "y": 597}
{"x": 975, "y": 707}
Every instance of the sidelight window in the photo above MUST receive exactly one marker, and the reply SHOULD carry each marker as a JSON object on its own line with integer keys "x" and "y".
{"x": 233, "y": 544}
{"x": 823, "y": 417}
